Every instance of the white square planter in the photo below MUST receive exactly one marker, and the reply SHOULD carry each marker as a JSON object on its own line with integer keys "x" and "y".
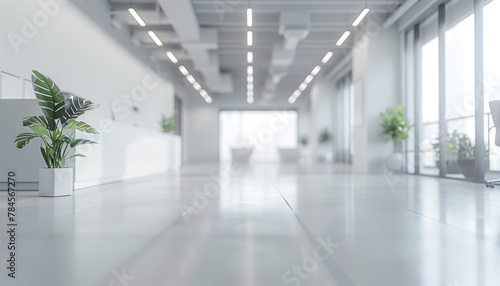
{"x": 56, "y": 182}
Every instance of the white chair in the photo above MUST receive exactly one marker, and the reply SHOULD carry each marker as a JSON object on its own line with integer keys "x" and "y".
{"x": 495, "y": 115}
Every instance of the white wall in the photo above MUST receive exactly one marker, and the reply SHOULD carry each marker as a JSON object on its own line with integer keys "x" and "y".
{"x": 83, "y": 58}
{"x": 377, "y": 86}
{"x": 201, "y": 122}
{"x": 74, "y": 44}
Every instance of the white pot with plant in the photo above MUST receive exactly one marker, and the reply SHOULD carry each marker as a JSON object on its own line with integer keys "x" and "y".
{"x": 395, "y": 127}
{"x": 325, "y": 137}
{"x": 55, "y": 128}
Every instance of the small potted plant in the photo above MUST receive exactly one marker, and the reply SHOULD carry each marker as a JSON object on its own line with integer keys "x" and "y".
{"x": 168, "y": 123}
{"x": 395, "y": 127}
{"x": 466, "y": 159}
{"x": 325, "y": 137}
{"x": 55, "y": 128}
{"x": 452, "y": 141}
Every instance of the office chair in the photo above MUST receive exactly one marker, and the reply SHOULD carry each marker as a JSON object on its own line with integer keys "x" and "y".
{"x": 495, "y": 115}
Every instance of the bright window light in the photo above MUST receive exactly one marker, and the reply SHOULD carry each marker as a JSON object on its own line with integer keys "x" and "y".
{"x": 250, "y": 78}
{"x": 309, "y": 78}
{"x": 155, "y": 38}
{"x": 249, "y": 17}
{"x": 183, "y": 70}
{"x": 315, "y": 70}
{"x": 250, "y": 100}
{"x": 343, "y": 38}
{"x": 197, "y": 86}
{"x": 250, "y": 70}
{"x": 327, "y": 57}
{"x": 249, "y": 38}
{"x": 172, "y": 57}
{"x": 191, "y": 79}
{"x": 250, "y": 57}
{"x": 360, "y": 18}
{"x": 136, "y": 17}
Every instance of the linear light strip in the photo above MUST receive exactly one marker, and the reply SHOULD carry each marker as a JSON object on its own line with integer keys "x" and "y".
{"x": 155, "y": 38}
{"x": 172, "y": 57}
{"x": 343, "y": 38}
{"x": 137, "y": 17}
{"x": 360, "y": 18}
{"x": 249, "y": 17}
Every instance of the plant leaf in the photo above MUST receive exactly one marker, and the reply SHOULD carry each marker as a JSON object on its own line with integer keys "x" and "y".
{"x": 78, "y": 142}
{"x": 50, "y": 98}
{"x": 75, "y": 107}
{"x": 24, "y": 138}
{"x": 77, "y": 155}
{"x": 45, "y": 156}
{"x": 38, "y": 120}
{"x": 81, "y": 126}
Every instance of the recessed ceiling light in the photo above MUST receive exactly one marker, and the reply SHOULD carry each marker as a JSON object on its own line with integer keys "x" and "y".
{"x": 250, "y": 100}
{"x": 250, "y": 93}
{"x": 191, "y": 79}
{"x": 203, "y": 93}
{"x": 296, "y": 93}
{"x": 360, "y": 18}
{"x": 343, "y": 38}
{"x": 291, "y": 100}
{"x": 183, "y": 70}
{"x": 250, "y": 86}
{"x": 315, "y": 70}
{"x": 155, "y": 38}
{"x": 249, "y": 38}
{"x": 250, "y": 78}
{"x": 136, "y": 17}
{"x": 208, "y": 99}
{"x": 249, "y": 17}
{"x": 250, "y": 57}
{"x": 309, "y": 78}
{"x": 197, "y": 86}
{"x": 172, "y": 57}
{"x": 327, "y": 57}
{"x": 250, "y": 70}
{"x": 303, "y": 86}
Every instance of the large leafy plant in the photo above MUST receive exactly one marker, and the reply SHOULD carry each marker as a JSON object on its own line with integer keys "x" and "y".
{"x": 452, "y": 144}
{"x": 395, "y": 124}
{"x": 55, "y": 128}
{"x": 466, "y": 148}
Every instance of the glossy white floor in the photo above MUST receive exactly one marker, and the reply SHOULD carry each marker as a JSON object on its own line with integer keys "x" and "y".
{"x": 267, "y": 226}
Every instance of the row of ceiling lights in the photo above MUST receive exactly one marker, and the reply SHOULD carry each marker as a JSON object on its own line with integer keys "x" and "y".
{"x": 172, "y": 58}
{"x": 326, "y": 58}
{"x": 250, "y": 86}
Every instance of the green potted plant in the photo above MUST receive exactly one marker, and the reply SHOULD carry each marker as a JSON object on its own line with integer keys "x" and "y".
{"x": 395, "y": 127}
{"x": 304, "y": 140}
{"x": 55, "y": 128}
{"x": 325, "y": 137}
{"x": 452, "y": 141}
{"x": 168, "y": 123}
{"x": 466, "y": 158}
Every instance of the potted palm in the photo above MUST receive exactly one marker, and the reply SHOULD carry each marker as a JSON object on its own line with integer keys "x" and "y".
{"x": 55, "y": 128}
{"x": 395, "y": 127}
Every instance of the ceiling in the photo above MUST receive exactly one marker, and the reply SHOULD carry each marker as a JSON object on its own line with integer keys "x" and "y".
{"x": 322, "y": 21}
